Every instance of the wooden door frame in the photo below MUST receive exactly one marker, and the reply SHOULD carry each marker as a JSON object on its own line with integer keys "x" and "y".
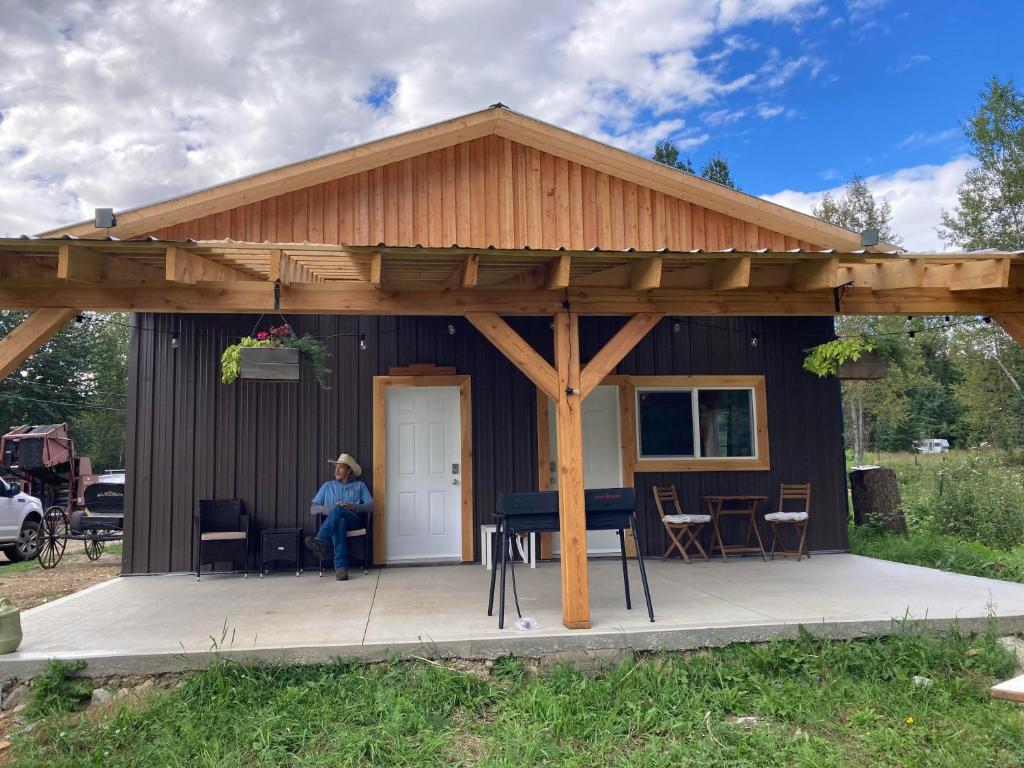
{"x": 380, "y": 386}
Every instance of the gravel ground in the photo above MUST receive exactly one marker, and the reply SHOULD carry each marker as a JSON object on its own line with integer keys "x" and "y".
{"x": 29, "y": 585}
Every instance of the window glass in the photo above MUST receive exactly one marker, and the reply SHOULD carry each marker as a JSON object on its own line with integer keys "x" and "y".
{"x": 665, "y": 423}
{"x": 725, "y": 422}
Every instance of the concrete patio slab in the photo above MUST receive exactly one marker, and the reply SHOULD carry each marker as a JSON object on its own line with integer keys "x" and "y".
{"x": 165, "y": 623}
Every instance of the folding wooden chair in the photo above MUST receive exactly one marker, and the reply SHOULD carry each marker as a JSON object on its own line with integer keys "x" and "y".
{"x": 678, "y": 524}
{"x": 797, "y": 517}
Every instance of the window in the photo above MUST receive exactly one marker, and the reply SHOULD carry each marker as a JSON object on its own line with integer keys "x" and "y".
{"x": 700, "y": 423}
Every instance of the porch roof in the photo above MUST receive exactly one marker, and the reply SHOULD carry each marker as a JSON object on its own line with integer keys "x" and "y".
{"x": 229, "y": 276}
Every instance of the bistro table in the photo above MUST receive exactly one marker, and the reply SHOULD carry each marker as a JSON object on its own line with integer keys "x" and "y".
{"x": 730, "y": 505}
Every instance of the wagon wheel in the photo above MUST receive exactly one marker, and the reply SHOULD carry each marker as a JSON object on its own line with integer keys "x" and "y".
{"x": 93, "y": 545}
{"x": 53, "y": 537}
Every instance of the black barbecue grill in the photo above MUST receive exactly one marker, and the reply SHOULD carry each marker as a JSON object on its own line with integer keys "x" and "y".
{"x": 606, "y": 509}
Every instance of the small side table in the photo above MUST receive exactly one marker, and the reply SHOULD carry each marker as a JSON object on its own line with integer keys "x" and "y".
{"x": 527, "y": 554}
{"x": 280, "y": 544}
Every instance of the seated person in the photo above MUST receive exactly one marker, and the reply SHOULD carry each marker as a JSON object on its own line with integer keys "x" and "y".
{"x": 345, "y": 501}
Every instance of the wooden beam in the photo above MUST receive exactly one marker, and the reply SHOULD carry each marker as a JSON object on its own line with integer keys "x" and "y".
{"x": 572, "y": 520}
{"x": 344, "y": 298}
{"x": 815, "y": 275}
{"x": 182, "y": 266}
{"x": 377, "y": 269}
{"x": 1013, "y": 324}
{"x": 983, "y": 274}
{"x": 897, "y": 274}
{"x": 516, "y": 349}
{"x": 78, "y": 264}
{"x": 30, "y": 335}
{"x": 646, "y": 274}
{"x": 467, "y": 274}
{"x": 558, "y": 272}
{"x": 618, "y": 347}
{"x": 13, "y": 268}
{"x": 730, "y": 274}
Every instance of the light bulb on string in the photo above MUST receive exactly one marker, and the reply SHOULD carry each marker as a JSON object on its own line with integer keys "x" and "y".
{"x": 755, "y": 339}
{"x": 174, "y": 339}
{"x": 362, "y": 341}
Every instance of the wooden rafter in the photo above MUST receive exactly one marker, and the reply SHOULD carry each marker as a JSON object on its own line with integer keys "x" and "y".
{"x": 377, "y": 269}
{"x": 183, "y": 266}
{"x": 559, "y": 270}
{"x": 815, "y": 275}
{"x": 1013, "y": 324}
{"x": 731, "y": 274}
{"x": 466, "y": 275}
{"x": 30, "y": 335}
{"x": 646, "y": 275}
{"x": 78, "y": 264}
{"x": 284, "y": 267}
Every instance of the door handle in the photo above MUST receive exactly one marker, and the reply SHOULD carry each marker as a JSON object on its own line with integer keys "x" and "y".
{"x": 455, "y": 481}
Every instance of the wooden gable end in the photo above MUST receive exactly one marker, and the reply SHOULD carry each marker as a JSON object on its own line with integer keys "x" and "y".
{"x": 488, "y": 192}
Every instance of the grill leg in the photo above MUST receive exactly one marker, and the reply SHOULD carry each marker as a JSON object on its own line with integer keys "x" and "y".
{"x": 643, "y": 571}
{"x": 494, "y": 567}
{"x": 504, "y": 559}
{"x": 625, "y": 570}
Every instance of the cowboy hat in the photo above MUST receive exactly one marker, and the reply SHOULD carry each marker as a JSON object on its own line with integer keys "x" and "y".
{"x": 352, "y": 463}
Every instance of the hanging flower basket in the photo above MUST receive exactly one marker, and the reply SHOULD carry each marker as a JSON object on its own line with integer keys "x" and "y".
{"x": 868, "y": 367}
{"x": 275, "y": 355}
{"x": 268, "y": 363}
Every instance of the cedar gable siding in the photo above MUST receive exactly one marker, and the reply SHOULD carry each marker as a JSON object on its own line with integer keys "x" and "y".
{"x": 488, "y": 192}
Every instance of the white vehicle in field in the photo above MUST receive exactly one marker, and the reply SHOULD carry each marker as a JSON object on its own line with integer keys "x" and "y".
{"x": 933, "y": 445}
{"x": 20, "y": 518}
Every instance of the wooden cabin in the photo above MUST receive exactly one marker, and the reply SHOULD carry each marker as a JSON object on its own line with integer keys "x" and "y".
{"x": 509, "y": 307}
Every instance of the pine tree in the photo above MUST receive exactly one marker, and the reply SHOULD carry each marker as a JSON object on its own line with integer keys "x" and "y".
{"x": 717, "y": 169}
{"x": 667, "y": 153}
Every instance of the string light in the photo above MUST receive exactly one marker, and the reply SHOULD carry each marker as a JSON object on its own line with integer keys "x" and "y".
{"x": 755, "y": 339}
{"x": 676, "y": 326}
{"x": 362, "y": 341}
{"x": 174, "y": 339}
{"x": 451, "y": 329}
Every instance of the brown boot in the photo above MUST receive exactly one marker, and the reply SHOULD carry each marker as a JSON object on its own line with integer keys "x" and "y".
{"x": 314, "y": 544}
{"x": 341, "y": 574}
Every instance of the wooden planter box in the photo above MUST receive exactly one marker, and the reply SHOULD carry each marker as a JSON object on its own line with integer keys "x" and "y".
{"x": 868, "y": 368}
{"x": 269, "y": 364}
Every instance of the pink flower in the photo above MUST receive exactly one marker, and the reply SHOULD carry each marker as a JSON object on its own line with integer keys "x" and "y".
{"x": 262, "y": 335}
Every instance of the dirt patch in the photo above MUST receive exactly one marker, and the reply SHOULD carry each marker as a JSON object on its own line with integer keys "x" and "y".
{"x": 29, "y": 585}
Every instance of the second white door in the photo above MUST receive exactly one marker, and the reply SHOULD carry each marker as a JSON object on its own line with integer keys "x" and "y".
{"x": 602, "y": 457}
{"x": 423, "y": 515}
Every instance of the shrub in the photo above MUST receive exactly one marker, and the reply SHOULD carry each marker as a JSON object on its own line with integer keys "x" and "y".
{"x": 57, "y": 689}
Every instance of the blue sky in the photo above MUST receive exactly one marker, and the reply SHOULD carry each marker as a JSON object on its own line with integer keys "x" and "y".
{"x": 125, "y": 102}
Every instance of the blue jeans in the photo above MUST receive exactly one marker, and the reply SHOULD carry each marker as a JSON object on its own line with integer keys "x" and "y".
{"x": 335, "y": 529}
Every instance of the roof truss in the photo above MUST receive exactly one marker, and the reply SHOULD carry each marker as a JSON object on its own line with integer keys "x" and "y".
{"x": 228, "y": 276}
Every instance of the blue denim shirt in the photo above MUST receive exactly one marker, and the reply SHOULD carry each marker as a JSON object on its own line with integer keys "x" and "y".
{"x": 336, "y": 492}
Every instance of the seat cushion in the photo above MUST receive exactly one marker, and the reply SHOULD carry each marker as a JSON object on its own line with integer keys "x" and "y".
{"x": 222, "y": 536}
{"x": 357, "y": 532}
{"x": 786, "y": 517}
{"x": 684, "y": 519}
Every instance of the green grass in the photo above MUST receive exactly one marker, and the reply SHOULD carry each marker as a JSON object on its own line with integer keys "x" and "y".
{"x": 935, "y": 550}
{"x": 819, "y": 704}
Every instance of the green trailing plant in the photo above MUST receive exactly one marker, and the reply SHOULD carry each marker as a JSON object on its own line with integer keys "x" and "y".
{"x": 312, "y": 349}
{"x": 826, "y": 358}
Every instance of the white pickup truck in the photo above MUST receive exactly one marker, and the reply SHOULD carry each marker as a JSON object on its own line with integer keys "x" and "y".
{"x": 20, "y": 518}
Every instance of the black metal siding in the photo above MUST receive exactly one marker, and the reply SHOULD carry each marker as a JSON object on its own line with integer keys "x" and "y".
{"x": 191, "y": 437}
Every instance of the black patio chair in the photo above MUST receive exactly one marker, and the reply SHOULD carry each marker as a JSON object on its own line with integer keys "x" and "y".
{"x": 365, "y": 533}
{"x": 221, "y": 531}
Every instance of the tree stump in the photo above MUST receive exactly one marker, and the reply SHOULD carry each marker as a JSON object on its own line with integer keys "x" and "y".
{"x": 876, "y": 499}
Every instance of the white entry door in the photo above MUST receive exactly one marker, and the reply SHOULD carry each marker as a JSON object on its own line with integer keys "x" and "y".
{"x": 602, "y": 457}
{"x": 423, "y": 516}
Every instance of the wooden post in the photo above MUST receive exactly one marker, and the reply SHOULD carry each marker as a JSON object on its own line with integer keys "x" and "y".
{"x": 34, "y": 331}
{"x": 571, "y": 515}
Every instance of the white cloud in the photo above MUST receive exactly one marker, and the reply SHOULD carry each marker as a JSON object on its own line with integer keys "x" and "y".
{"x": 918, "y": 196}
{"x": 124, "y": 102}
{"x": 920, "y": 139}
{"x": 767, "y": 111}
